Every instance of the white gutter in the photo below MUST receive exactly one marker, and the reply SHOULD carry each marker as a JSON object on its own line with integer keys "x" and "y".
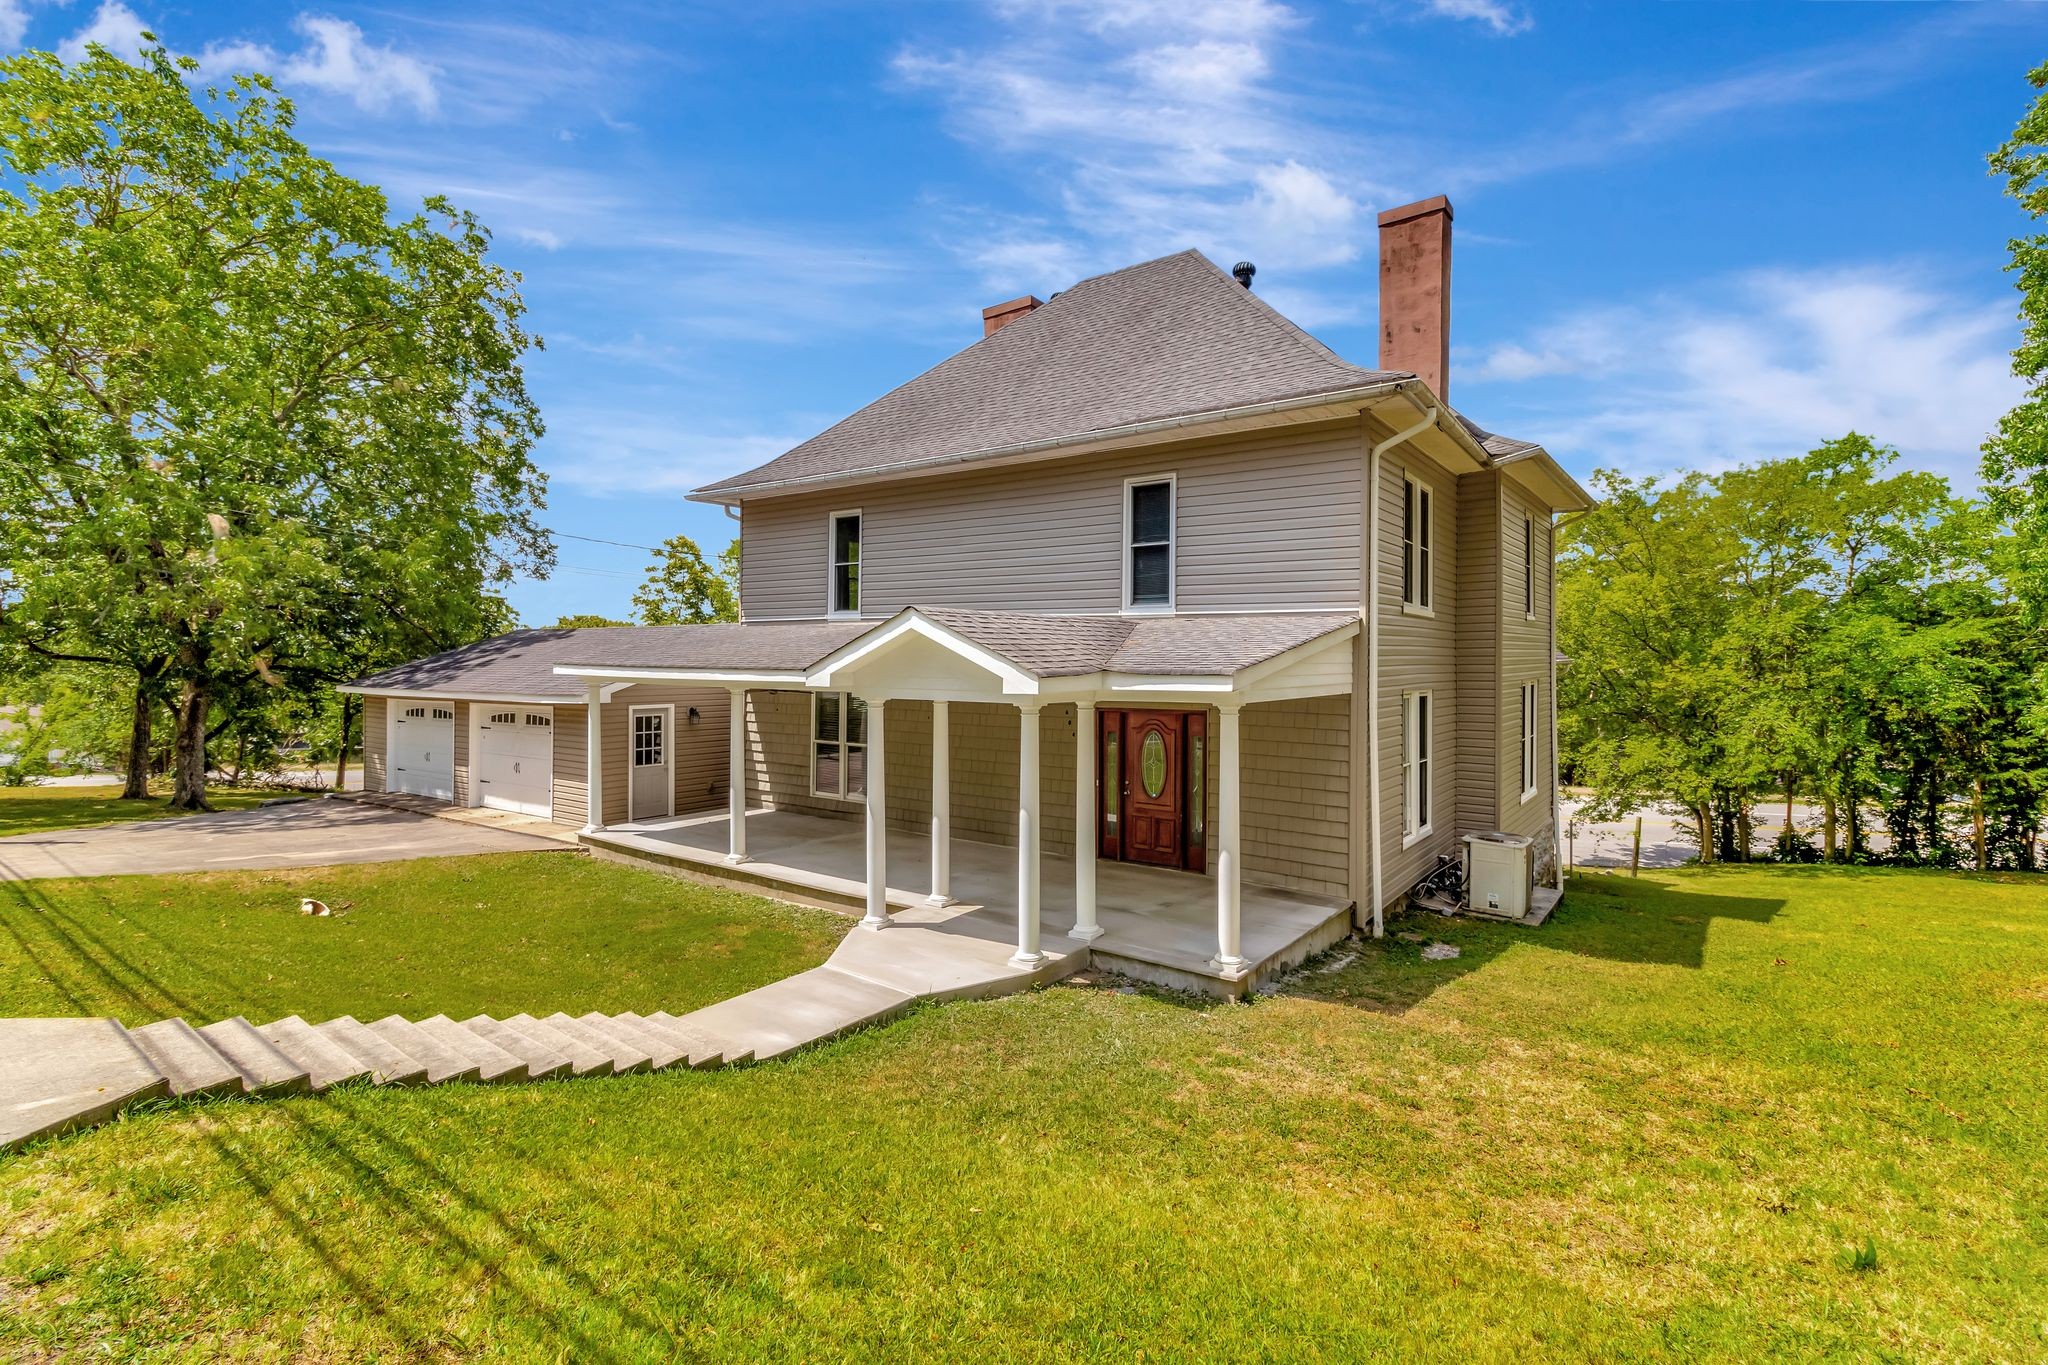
{"x": 1372, "y": 652}
{"x": 1089, "y": 438}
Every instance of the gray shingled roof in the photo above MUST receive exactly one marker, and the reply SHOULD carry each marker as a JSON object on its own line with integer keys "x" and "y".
{"x": 523, "y": 662}
{"x": 1169, "y": 338}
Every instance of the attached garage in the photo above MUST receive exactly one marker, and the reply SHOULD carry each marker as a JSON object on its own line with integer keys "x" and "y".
{"x": 514, "y": 758}
{"x": 423, "y": 750}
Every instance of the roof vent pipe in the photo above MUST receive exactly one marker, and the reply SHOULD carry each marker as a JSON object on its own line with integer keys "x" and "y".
{"x": 1244, "y": 270}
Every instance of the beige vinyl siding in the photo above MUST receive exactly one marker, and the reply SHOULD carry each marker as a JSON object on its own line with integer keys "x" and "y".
{"x": 1480, "y": 610}
{"x": 1263, "y": 521}
{"x": 1294, "y": 760}
{"x": 1418, "y": 653}
{"x": 698, "y": 756}
{"x": 376, "y": 736}
{"x": 1525, "y": 658}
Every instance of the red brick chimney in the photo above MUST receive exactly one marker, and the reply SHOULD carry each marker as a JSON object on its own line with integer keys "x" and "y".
{"x": 1003, "y": 314}
{"x": 1415, "y": 292}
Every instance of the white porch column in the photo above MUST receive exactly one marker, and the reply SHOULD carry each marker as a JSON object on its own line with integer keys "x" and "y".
{"x": 1229, "y": 882}
{"x": 1085, "y": 927}
{"x": 877, "y": 916}
{"x": 593, "y": 757}
{"x": 736, "y": 779}
{"x": 942, "y": 806}
{"x": 1028, "y": 953}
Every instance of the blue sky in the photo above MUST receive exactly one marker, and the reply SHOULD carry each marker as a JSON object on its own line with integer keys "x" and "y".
{"x": 1687, "y": 235}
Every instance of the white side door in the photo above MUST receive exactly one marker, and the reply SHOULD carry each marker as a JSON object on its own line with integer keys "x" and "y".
{"x": 423, "y": 750}
{"x": 649, "y": 737}
{"x": 515, "y": 759}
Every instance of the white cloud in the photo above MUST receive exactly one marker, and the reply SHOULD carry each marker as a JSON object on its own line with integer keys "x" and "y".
{"x": 13, "y": 22}
{"x": 335, "y": 58}
{"x": 609, "y": 453}
{"x": 1767, "y": 364}
{"x": 539, "y": 237}
{"x": 114, "y": 27}
{"x": 1148, "y": 126}
{"x": 1504, "y": 20}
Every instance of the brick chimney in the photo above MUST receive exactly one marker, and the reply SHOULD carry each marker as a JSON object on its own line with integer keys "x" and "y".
{"x": 1003, "y": 314}
{"x": 1415, "y": 292}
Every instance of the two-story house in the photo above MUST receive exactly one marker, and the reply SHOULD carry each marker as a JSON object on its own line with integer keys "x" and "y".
{"x": 1145, "y": 619}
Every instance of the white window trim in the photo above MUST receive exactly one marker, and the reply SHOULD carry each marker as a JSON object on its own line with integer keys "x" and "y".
{"x": 1529, "y": 697}
{"x": 1528, "y": 567}
{"x": 1419, "y": 575}
{"x": 811, "y": 754}
{"x": 832, "y": 519}
{"x": 1124, "y": 547}
{"x": 1414, "y": 831}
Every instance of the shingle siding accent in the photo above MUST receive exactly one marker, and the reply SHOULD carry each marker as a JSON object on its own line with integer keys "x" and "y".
{"x": 375, "y": 739}
{"x": 1295, "y": 763}
{"x": 1264, "y": 522}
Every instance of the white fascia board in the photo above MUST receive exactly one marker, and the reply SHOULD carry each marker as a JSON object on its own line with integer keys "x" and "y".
{"x": 910, "y": 621}
{"x": 416, "y": 694}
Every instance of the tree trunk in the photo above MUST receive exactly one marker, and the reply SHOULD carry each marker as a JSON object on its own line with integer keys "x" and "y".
{"x": 1704, "y": 814}
{"x": 135, "y": 784}
{"x": 188, "y": 766}
{"x": 1977, "y": 820}
{"x": 348, "y": 701}
{"x": 1745, "y": 831}
{"x": 1828, "y": 832}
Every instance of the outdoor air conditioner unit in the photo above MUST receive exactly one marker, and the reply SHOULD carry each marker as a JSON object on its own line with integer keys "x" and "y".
{"x": 1500, "y": 873}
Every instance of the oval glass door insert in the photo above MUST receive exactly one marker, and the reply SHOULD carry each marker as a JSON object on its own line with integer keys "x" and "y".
{"x": 1152, "y": 764}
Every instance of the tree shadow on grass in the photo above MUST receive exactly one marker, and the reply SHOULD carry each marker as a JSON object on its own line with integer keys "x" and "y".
{"x": 1613, "y": 918}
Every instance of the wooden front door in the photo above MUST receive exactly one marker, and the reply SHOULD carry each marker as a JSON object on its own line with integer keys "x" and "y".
{"x": 1147, "y": 788}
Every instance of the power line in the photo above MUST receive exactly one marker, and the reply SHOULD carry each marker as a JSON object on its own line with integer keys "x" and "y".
{"x": 623, "y": 545}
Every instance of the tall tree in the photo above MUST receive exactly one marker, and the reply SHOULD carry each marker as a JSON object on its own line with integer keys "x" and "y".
{"x": 2015, "y": 467}
{"x": 251, "y": 425}
{"x": 682, "y": 589}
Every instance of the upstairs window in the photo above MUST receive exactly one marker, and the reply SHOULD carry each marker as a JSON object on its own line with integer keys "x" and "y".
{"x": 1148, "y": 538}
{"x": 1418, "y": 542}
{"x": 1529, "y": 567}
{"x": 844, "y": 590}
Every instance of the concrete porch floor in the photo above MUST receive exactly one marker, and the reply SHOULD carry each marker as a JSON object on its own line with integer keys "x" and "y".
{"x": 1159, "y": 924}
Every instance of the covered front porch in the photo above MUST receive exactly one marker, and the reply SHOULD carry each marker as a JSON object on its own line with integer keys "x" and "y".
{"x": 1156, "y": 924}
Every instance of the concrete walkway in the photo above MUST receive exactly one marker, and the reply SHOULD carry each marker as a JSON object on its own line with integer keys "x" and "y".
{"x": 309, "y": 833}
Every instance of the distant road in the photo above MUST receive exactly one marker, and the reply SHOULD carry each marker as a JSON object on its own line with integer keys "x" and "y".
{"x": 1606, "y": 843}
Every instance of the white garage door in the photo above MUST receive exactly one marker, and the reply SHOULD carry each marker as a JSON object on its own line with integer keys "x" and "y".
{"x": 423, "y": 751}
{"x": 515, "y": 760}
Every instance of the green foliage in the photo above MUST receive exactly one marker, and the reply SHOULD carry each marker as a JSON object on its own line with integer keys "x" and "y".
{"x": 682, "y": 589}
{"x": 2015, "y": 468}
{"x": 586, "y": 622}
{"x": 255, "y": 432}
{"x": 1815, "y": 623}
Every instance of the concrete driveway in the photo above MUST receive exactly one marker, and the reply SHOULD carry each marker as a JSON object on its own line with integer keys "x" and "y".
{"x": 299, "y": 834}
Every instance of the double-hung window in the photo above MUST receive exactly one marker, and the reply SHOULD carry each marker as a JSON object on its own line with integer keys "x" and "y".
{"x": 1418, "y": 543}
{"x": 1148, "y": 544}
{"x": 1528, "y": 691}
{"x": 1416, "y": 750}
{"x": 1529, "y": 567}
{"x": 839, "y": 745}
{"x": 844, "y": 586}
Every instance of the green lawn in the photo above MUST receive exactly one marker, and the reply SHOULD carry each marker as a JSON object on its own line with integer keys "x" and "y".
{"x": 32, "y": 810}
{"x": 1657, "y": 1128}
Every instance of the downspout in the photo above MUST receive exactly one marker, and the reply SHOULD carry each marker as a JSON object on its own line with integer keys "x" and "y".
{"x": 1372, "y": 651}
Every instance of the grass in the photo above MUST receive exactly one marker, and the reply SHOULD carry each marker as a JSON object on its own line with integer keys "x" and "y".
{"x": 35, "y": 810}
{"x": 1730, "y": 1113}
{"x": 498, "y": 934}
